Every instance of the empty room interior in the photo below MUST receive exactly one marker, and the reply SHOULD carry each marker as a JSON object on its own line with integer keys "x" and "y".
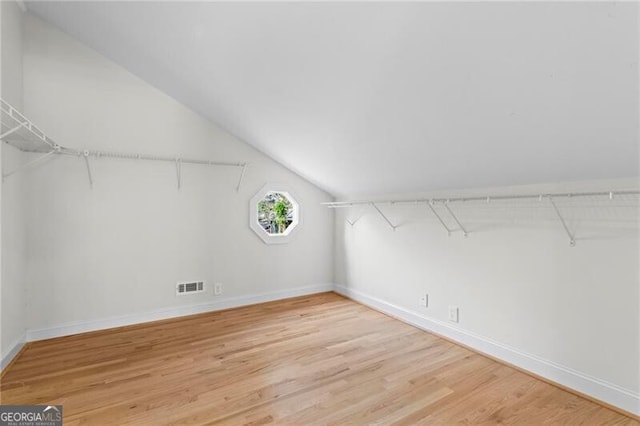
{"x": 319, "y": 213}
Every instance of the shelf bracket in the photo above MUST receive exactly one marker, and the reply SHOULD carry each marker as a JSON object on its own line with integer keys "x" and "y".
{"x": 85, "y": 154}
{"x": 179, "y": 172}
{"x": 464, "y": 231}
{"x": 572, "y": 240}
{"x": 353, "y": 222}
{"x": 384, "y": 217}
{"x": 244, "y": 169}
{"x": 32, "y": 162}
{"x": 444, "y": 225}
{"x": 15, "y": 129}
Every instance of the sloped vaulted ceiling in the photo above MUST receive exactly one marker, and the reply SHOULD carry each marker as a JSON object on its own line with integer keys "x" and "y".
{"x": 365, "y": 98}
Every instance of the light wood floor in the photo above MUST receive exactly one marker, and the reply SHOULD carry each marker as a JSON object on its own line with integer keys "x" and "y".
{"x": 319, "y": 359}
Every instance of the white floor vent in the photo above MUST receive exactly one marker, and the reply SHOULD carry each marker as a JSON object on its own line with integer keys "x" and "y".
{"x": 189, "y": 288}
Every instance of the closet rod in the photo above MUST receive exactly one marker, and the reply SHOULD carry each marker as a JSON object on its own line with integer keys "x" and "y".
{"x": 556, "y": 195}
{"x": 146, "y": 157}
{"x": 178, "y": 161}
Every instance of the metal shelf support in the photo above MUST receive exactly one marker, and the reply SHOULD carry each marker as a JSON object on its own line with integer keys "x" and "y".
{"x": 572, "y": 240}
{"x": 86, "y": 162}
{"x": 464, "y": 231}
{"x": 353, "y": 222}
{"x": 384, "y": 217}
{"x": 32, "y": 162}
{"x": 444, "y": 225}
{"x": 179, "y": 172}
{"x": 244, "y": 169}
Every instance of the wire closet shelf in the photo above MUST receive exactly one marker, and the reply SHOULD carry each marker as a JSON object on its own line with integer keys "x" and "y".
{"x": 442, "y": 207}
{"x": 20, "y": 132}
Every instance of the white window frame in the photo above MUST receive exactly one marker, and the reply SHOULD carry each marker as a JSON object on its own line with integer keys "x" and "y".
{"x": 291, "y": 230}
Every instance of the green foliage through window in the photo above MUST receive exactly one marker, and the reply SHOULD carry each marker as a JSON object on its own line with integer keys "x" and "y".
{"x": 275, "y": 213}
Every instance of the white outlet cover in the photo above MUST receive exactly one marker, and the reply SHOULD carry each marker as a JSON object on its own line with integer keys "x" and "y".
{"x": 217, "y": 288}
{"x": 453, "y": 313}
{"x": 424, "y": 300}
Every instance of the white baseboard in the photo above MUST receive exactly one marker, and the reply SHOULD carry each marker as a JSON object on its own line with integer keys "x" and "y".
{"x": 609, "y": 393}
{"x": 15, "y": 348}
{"x": 232, "y": 302}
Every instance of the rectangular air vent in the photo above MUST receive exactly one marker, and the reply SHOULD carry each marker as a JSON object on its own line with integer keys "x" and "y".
{"x": 189, "y": 288}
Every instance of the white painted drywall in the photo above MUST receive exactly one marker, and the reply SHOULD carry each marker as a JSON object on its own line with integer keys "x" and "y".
{"x": 120, "y": 248}
{"x": 382, "y": 97}
{"x": 1, "y": 333}
{"x": 515, "y": 278}
{"x": 13, "y": 284}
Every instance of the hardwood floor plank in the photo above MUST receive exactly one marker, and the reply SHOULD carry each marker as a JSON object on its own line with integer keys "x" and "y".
{"x": 318, "y": 359}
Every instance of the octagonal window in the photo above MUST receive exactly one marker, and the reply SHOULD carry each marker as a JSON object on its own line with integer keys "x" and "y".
{"x": 274, "y": 214}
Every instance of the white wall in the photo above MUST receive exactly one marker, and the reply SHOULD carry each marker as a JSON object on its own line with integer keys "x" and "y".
{"x": 515, "y": 279}
{"x": 120, "y": 248}
{"x": 2, "y": 354}
{"x": 13, "y": 316}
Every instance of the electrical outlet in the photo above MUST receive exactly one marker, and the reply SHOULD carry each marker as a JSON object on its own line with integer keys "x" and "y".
{"x": 424, "y": 300}
{"x": 453, "y": 313}
{"x": 217, "y": 289}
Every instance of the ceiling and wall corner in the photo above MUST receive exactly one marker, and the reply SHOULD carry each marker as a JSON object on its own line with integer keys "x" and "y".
{"x": 372, "y": 98}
